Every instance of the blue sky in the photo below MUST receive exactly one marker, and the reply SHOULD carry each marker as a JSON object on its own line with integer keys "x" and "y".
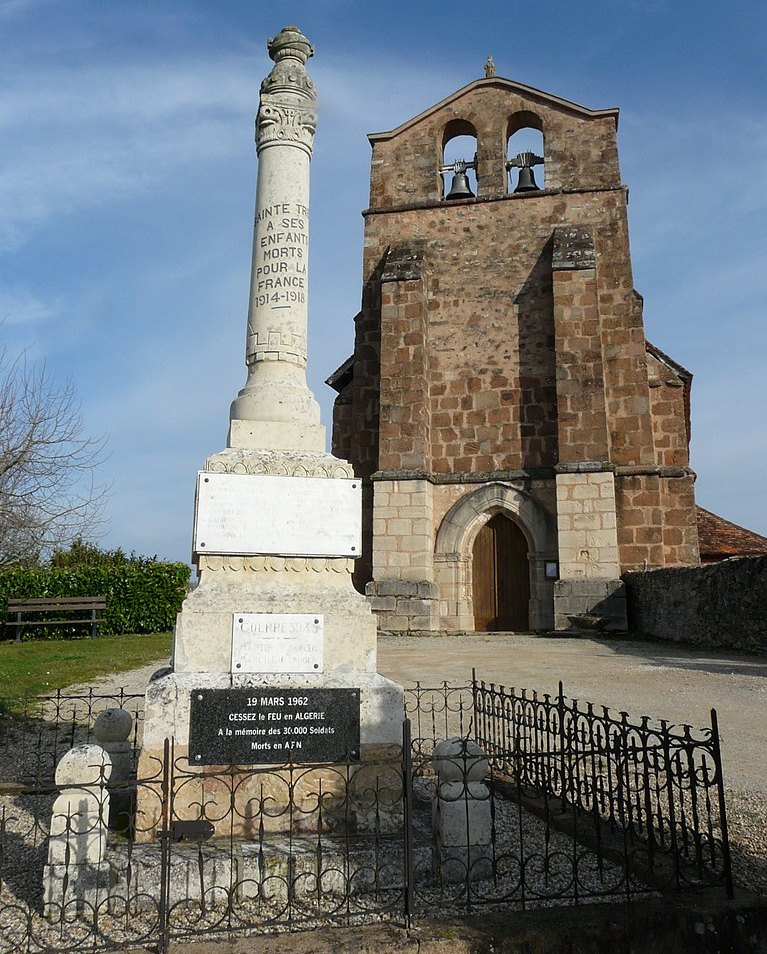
{"x": 127, "y": 178}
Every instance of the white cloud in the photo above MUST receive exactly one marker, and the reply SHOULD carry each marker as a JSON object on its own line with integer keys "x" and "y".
{"x": 21, "y": 307}
{"x": 76, "y": 139}
{"x": 16, "y": 8}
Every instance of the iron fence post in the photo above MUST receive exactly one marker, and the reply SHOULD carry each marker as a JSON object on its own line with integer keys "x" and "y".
{"x": 562, "y": 738}
{"x": 717, "y": 755}
{"x": 474, "y": 707}
{"x": 163, "y": 913}
{"x": 407, "y": 796}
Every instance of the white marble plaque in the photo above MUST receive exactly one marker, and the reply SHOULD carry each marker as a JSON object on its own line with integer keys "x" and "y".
{"x": 288, "y": 516}
{"x": 277, "y": 642}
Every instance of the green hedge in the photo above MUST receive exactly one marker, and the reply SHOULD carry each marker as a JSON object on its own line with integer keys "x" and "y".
{"x": 140, "y": 597}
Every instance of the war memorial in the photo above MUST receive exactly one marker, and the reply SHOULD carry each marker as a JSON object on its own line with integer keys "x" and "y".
{"x": 275, "y": 651}
{"x": 270, "y": 779}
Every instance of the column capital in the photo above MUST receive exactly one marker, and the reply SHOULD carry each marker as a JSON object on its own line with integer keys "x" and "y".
{"x": 287, "y": 112}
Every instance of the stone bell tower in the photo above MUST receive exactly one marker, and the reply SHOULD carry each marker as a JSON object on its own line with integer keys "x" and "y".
{"x": 521, "y": 443}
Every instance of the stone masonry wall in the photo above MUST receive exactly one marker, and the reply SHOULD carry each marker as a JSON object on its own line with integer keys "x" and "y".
{"x": 586, "y": 526}
{"x": 402, "y": 591}
{"x": 588, "y": 588}
{"x": 668, "y": 415}
{"x": 488, "y": 322}
{"x": 721, "y": 604}
{"x": 656, "y": 519}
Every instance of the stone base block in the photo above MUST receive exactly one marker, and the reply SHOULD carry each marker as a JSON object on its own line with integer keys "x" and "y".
{"x": 276, "y": 435}
{"x": 353, "y": 798}
{"x": 404, "y": 605}
{"x": 590, "y": 606}
{"x": 341, "y": 799}
{"x": 278, "y": 870}
{"x": 229, "y": 586}
{"x": 197, "y": 876}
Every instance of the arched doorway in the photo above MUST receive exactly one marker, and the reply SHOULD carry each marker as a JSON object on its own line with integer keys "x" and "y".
{"x": 500, "y": 577}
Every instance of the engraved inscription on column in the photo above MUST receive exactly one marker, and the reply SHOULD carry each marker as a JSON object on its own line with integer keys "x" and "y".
{"x": 279, "y": 278}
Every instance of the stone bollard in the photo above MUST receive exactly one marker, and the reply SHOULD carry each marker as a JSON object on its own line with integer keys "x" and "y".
{"x": 112, "y": 730}
{"x": 461, "y": 812}
{"x": 76, "y": 872}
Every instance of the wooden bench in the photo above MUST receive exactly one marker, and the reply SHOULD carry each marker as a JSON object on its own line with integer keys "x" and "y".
{"x": 58, "y": 605}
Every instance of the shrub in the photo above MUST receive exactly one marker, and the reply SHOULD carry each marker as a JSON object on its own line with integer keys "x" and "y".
{"x": 142, "y": 596}
{"x": 82, "y": 553}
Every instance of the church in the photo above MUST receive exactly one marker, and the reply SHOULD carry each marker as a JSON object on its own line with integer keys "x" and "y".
{"x": 521, "y": 443}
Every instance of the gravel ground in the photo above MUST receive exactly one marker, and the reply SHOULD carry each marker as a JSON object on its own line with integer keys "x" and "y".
{"x": 747, "y": 818}
{"x": 522, "y": 842}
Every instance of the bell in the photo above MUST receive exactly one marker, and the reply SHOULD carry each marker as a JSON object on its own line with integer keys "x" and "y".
{"x": 460, "y": 187}
{"x": 526, "y": 181}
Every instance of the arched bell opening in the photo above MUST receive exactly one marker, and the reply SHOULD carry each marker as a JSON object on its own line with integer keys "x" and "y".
{"x": 501, "y": 577}
{"x": 458, "y": 169}
{"x": 525, "y": 153}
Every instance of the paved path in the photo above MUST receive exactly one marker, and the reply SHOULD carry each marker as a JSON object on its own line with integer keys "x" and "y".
{"x": 664, "y": 681}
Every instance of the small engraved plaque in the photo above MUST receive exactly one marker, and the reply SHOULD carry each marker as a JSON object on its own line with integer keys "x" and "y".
{"x": 262, "y": 725}
{"x": 286, "y": 516}
{"x": 277, "y": 642}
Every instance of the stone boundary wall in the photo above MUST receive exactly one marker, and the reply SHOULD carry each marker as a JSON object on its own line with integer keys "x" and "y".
{"x": 721, "y": 604}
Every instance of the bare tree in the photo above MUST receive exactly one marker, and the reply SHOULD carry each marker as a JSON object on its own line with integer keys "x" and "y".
{"x": 48, "y": 489}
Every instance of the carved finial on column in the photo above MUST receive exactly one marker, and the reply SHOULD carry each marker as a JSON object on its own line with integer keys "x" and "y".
{"x": 490, "y": 67}
{"x": 287, "y": 112}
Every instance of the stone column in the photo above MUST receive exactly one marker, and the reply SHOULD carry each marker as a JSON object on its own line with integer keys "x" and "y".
{"x": 276, "y": 410}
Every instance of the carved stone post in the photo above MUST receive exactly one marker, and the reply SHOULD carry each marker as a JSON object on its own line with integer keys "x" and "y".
{"x": 461, "y": 815}
{"x": 76, "y": 875}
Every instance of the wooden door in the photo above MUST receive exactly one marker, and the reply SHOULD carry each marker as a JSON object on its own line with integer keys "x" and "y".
{"x": 500, "y": 577}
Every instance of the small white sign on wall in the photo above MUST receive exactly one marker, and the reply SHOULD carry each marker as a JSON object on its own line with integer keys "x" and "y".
{"x": 277, "y": 642}
{"x": 288, "y": 516}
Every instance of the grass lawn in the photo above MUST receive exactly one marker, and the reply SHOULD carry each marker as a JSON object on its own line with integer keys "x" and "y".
{"x": 42, "y": 667}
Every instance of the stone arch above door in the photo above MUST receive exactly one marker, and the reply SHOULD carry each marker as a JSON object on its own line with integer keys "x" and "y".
{"x": 463, "y": 521}
{"x": 453, "y": 551}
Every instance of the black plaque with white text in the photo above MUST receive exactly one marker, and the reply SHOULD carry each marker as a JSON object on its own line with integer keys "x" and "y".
{"x": 259, "y": 726}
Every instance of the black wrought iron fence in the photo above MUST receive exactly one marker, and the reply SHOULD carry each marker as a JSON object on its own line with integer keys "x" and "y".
{"x": 512, "y": 855}
{"x": 658, "y": 787}
{"x": 35, "y": 731}
{"x": 495, "y": 798}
